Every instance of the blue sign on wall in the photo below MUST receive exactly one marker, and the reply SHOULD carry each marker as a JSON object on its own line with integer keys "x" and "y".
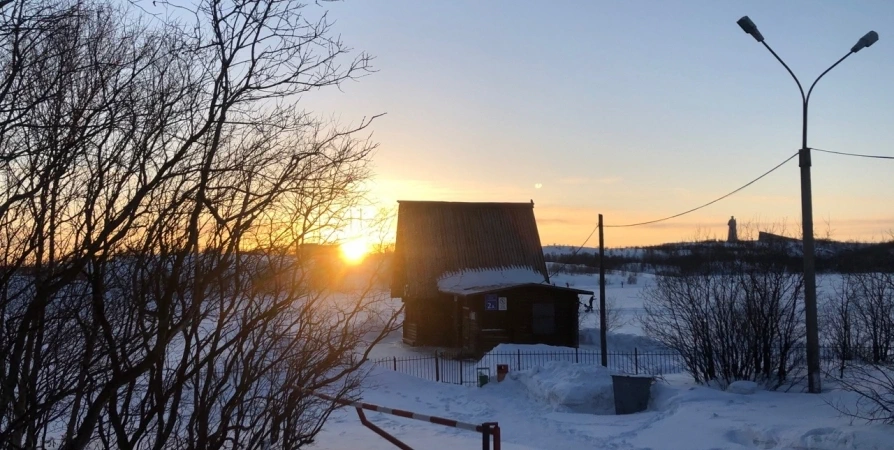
{"x": 491, "y": 302}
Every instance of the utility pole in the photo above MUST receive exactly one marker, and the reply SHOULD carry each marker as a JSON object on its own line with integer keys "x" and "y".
{"x": 603, "y": 345}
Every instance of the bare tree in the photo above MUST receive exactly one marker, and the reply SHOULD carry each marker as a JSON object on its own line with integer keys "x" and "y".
{"x": 159, "y": 183}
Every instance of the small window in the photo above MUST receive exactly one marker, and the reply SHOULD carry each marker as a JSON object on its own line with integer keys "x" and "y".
{"x": 544, "y": 318}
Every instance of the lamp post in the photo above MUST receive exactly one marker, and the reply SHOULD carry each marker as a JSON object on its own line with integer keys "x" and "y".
{"x": 814, "y": 383}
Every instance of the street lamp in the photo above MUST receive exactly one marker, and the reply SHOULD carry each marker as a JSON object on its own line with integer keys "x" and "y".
{"x": 814, "y": 384}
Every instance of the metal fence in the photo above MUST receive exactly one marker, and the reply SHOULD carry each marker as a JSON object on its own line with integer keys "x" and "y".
{"x": 449, "y": 367}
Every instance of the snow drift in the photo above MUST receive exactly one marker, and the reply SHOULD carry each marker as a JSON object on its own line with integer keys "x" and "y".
{"x": 569, "y": 387}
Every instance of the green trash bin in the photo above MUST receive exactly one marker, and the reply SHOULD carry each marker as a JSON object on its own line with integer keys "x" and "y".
{"x": 483, "y": 376}
{"x": 632, "y": 392}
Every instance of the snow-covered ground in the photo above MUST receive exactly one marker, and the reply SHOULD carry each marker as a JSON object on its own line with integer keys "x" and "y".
{"x": 681, "y": 416}
{"x": 559, "y": 404}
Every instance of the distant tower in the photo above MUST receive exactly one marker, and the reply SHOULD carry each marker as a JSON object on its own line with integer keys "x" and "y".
{"x": 731, "y": 237}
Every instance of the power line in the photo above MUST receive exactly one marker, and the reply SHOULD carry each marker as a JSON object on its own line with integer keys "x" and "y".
{"x": 853, "y": 154}
{"x": 573, "y": 253}
{"x": 706, "y": 204}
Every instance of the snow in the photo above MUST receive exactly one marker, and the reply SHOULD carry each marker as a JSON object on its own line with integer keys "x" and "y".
{"x": 482, "y": 280}
{"x": 626, "y": 298}
{"x": 743, "y": 387}
{"x": 555, "y": 403}
{"x": 681, "y": 416}
{"x": 569, "y": 387}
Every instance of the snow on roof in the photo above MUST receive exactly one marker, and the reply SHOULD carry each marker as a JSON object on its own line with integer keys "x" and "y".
{"x": 481, "y": 280}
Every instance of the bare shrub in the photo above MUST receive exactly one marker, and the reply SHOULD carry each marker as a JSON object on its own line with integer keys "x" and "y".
{"x": 860, "y": 317}
{"x": 874, "y": 314}
{"x": 874, "y": 386}
{"x": 739, "y": 321}
{"x": 838, "y": 319}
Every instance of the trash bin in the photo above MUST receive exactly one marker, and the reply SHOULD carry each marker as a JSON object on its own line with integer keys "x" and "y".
{"x": 631, "y": 392}
{"x": 502, "y": 370}
{"x": 483, "y": 376}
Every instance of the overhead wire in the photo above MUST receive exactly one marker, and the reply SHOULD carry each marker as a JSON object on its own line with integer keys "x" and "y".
{"x": 854, "y": 154}
{"x": 649, "y": 222}
{"x": 578, "y": 249}
{"x": 706, "y": 204}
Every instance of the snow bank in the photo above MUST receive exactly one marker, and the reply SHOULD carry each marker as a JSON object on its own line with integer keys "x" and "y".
{"x": 569, "y": 387}
{"x": 524, "y": 356}
{"x": 743, "y": 387}
{"x": 479, "y": 280}
{"x": 528, "y": 348}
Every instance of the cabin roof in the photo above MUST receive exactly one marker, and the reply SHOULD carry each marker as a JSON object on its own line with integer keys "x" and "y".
{"x": 439, "y": 239}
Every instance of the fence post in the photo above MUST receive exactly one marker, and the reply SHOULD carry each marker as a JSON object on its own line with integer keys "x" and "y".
{"x": 437, "y": 367}
{"x": 394, "y": 359}
{"x": 485, "y": 437}
{"x": 460, "y": 372}
{"x": 576, "y": 358}
{"x": 519, "y": 360}
{"x": 635, "y": 361}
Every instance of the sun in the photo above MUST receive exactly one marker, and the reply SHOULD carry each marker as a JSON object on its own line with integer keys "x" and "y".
{"x": 354, "y": 251}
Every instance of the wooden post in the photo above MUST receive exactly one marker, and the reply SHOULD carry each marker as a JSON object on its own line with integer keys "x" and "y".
{"x": 437, "y": 367}
{"x": 603, "y": 345}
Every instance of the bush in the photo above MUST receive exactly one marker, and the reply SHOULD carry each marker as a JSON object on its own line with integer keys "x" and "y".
{"x": 874, "y": 385}
{"x": 859, "y": 317}
{"x": 860, "y": 320}
{"x": 740, "y": 321}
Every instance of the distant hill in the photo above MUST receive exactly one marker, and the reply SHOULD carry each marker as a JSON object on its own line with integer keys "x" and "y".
{"x": 831, "y": 256}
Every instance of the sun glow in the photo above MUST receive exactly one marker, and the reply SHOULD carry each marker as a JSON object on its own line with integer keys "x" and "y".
{"x": 354, "y": 251}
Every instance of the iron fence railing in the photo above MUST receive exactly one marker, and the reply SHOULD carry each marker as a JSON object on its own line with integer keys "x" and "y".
{"x": 448, "y": 367}
{"x": 453, "y": 367}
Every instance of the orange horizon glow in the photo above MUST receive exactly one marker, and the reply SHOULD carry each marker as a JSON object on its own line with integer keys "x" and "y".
{"x": 562, "y": 223}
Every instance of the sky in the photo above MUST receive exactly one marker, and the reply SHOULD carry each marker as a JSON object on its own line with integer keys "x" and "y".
{"x": 636, "y": 110}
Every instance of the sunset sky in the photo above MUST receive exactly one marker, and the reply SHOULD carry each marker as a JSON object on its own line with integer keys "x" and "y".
{"x": 634, "y": 109}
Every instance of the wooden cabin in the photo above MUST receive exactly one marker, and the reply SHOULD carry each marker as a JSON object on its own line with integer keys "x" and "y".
{"x": 473, "y": 275}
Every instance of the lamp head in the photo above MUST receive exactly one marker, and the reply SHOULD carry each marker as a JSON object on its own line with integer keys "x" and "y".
{"x": 749, "y": 27}
{"x": 866, "y": 41}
